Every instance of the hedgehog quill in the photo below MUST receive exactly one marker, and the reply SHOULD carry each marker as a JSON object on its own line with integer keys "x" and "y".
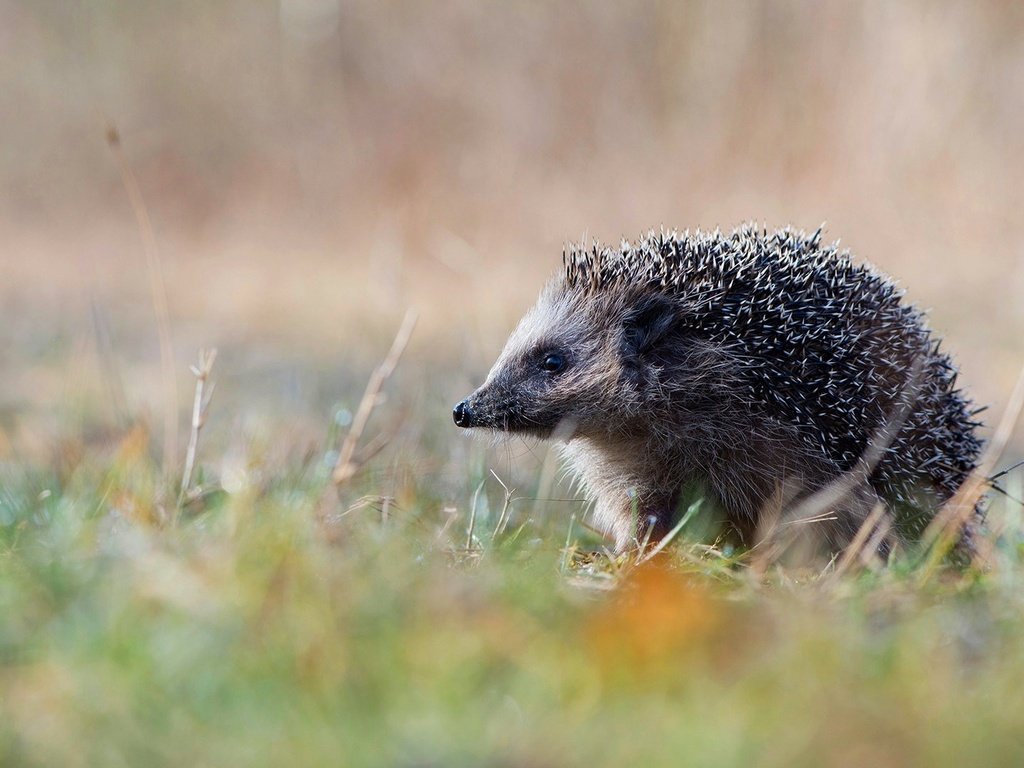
{"x": 757, "y": 367}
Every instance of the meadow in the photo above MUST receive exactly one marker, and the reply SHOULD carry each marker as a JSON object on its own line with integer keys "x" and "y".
{"x": 284, "y": 553}
{"x": 346, "y": 601}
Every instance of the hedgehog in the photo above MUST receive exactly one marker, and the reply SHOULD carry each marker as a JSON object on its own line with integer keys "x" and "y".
{"x": 763, "y": 371}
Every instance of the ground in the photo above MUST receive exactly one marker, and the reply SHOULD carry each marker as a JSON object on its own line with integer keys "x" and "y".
{"x": 404, "y": 617}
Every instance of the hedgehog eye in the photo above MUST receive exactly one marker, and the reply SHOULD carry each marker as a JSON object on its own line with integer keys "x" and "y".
{"x": 553, "y": 363}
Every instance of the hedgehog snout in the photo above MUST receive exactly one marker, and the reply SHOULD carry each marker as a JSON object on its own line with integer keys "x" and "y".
{"x": 462, "y": 414}
{"x": 483, "y": 409}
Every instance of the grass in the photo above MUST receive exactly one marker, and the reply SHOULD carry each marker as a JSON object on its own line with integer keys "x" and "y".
{"x": 276, "y": 618}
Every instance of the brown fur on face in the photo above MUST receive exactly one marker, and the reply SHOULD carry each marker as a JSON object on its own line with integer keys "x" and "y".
{"x": 758, "y": 368}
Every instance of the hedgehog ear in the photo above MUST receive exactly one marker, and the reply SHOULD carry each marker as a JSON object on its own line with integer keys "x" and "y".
{"x": 646, "y": 324}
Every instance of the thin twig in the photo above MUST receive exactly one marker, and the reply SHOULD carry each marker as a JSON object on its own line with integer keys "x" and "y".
{"x": 472, "y": 516}
{"x": 363, "y": 502}
{"x": 568, "y": 549}
{"x": 200, "y": 404}
{"x": 821, "y": 517}
{"x": 668, "y": 537}
{"x": 651, "y": 522}
{"x": 158, "y": 291}
{"x": 452, "y": 513}
{"x": 1006, "y": 471}
{"x": 499, "y": 527}
{"x": 108, "y": 364}
{"x": 347, "y": 465}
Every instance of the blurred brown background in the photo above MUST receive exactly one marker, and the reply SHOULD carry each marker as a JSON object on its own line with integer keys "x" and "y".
{"x": 314, "y": 167}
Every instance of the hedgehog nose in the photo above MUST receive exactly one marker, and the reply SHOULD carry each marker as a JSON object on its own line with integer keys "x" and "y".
{"x": 462, "y": 414}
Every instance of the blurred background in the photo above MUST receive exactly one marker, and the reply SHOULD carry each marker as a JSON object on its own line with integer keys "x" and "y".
{"x": 313, "y": 168}
{"x": 309, "y": 170}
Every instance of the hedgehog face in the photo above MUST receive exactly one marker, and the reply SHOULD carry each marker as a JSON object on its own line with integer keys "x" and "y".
{"x": 553, "y": 378}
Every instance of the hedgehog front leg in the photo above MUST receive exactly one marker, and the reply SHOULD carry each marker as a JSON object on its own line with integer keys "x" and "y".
{"x": 628, "y": 501}
{"x": 631, "y": 516}
{"x": 614, "y": 515}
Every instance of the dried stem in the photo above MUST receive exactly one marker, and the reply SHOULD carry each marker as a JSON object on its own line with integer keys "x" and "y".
{"x": 499, "y": 527}
{"x": 642, "y": 545}
{"x": 857, "y": 546}
{"x": 200, "y": 404}
{"x": 158, "y": 291}
{"x": 569, "y": 548}
{"x": 472, "y": 516}
{"x": 670, "y": 536}
{"x": 347, "y": 465}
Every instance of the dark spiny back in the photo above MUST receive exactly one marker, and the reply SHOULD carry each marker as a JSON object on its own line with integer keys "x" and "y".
{"x": 824, "y": 344}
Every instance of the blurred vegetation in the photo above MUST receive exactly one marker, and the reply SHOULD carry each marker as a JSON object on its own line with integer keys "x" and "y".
{"x": 311, "y": 169}
{"x": 272, "y": 619}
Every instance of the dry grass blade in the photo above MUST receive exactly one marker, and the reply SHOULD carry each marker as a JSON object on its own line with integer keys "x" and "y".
{"x": 108, "y": 364}
{"x": 945, "y": 530}
{"x": 569, "y": 548}
{"x": 549, "y": 468}
{"x": 472, "y": 516}
{"x": 499, "y": 527}
{"x": 869, "y": 555}
{"x": 200, "y": 405}
{"x": 857, "y": 546}
{"x": 642, "y": 544}
{"x": 347, "y": 465}
{"x": 670, "y": 536}
{"x": 158, "y": 290}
